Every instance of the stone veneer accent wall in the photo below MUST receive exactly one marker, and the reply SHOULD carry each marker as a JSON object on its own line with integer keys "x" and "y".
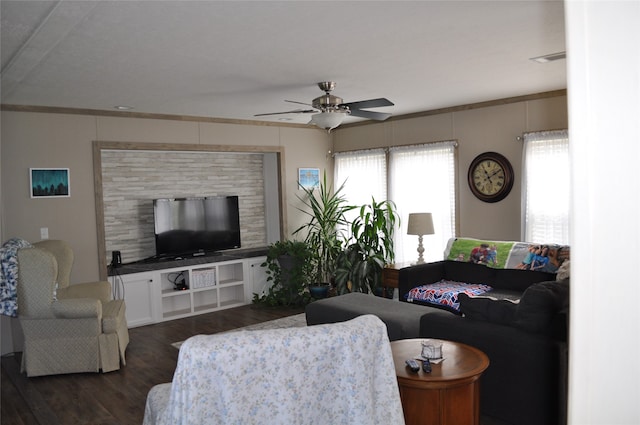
{"x": 131, "y": 179}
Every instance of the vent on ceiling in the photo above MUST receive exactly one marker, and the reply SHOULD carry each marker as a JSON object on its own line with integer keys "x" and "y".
{"x": 550, "y": 58}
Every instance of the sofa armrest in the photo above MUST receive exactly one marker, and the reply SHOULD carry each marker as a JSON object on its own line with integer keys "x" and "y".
{"x": 420, "y": 274}
{"x": 77, "y": 308}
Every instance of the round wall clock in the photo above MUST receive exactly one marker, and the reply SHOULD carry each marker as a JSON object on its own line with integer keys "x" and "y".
{"x": 490, "y": 177}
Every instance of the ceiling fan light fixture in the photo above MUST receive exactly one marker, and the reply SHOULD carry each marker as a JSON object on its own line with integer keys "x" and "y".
{"x": 328, "y": 120}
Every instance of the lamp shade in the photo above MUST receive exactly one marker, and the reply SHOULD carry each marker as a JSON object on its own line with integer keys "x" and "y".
{"x": 420, "y": 224}
{"x": 328, "y": 120}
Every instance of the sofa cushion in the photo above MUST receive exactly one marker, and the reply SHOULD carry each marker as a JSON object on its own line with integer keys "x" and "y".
{"x": 468, "y": 272}
{"x": 540, "y": 304}
{"x": 444, "y": 294}
{"x": 519, "y": 280}
{"x": 489, "y": 309}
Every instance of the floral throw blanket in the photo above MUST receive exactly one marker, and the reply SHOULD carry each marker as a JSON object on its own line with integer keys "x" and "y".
{"x": 339, "y": 373}
{"x": 508, "y": 255}
{"x": 9, "y": 276}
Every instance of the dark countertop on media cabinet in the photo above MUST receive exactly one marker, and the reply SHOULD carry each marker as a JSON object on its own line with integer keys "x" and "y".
{"x": 152, "y": 264}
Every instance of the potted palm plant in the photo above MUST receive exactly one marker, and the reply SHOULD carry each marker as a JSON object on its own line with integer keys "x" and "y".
{"x": 369, "y": 249}
{"x": 325, "y": 209}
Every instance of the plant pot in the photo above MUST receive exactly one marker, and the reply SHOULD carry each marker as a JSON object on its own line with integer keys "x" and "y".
{"x": 319, "y": 291}
{"x": 383, "y": 292}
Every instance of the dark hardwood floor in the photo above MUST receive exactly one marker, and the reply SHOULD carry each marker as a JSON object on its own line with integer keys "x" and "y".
{"x": 115, "y": 398}
{"x": 118, "y": 398}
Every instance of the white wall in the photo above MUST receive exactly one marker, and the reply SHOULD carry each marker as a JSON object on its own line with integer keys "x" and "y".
{"x": 60, "y": 140}
{"x": 477, "y": 130}
{"x": 603, "y": 46}
{"x": 32, "y": 139}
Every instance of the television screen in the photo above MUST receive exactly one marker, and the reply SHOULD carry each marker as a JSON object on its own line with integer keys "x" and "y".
{"x": 196, "y": 226}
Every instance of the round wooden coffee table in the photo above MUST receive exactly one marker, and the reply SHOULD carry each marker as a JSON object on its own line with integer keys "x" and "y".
{"x": 450, "y": 394}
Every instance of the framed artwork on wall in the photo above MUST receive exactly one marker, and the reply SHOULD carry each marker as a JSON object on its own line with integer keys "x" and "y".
{"x": 309, "y": 178}
{"x": 49, "y": 182}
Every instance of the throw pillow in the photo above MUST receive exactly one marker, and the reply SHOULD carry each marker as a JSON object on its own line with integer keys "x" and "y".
{"x": 488, "y": 309}
{"x": 540, "y": 303}
{"x": 564, "y": 271}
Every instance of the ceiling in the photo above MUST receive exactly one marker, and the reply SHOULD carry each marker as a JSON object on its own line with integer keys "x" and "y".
{"x": 235, "y": 59}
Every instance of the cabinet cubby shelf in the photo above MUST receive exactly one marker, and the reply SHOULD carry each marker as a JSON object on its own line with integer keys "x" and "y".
{"x": 151, "y": 298}
{"x": 206, "y": 288}
{"x": 173, "y": 292}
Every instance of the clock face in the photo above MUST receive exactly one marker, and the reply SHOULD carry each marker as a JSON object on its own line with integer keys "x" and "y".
{"x": 490, "y": 177}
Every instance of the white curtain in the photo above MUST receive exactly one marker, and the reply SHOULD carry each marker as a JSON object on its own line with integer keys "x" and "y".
{"x": 364, "y": 174}
{"x": 422, "y": 179}
{"x": 546, "y": 187}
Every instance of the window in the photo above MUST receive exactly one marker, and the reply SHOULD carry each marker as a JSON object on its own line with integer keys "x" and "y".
{"x": 546, "y": 187}
{"x": 423, "y": 180}
{"x": 406, "y": 176}
{"x": 364, "y": 174}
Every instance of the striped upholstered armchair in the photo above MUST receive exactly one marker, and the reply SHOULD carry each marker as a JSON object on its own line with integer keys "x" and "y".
{"x": 67, "y": 328}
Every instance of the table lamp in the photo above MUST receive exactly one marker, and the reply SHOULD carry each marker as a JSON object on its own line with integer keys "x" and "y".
{"x": 420, "y": 224}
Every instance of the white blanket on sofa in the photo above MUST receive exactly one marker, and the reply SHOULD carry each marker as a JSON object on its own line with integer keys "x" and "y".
{"x": 340, "y": 373}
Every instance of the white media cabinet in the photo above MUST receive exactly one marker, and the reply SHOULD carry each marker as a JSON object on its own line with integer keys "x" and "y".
{"x": 151, "y": 297}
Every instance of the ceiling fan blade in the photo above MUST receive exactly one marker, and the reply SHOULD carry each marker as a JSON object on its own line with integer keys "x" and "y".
{"x": 371, "y": 103}
{"x": 296, "y": 111}
{"x": 378, "y": 116}
{"x": 299, "y": 103}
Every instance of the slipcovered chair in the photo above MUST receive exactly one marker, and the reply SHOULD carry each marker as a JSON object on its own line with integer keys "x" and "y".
{"x": 67, "y": 328}
{"x": 340, "y": 373}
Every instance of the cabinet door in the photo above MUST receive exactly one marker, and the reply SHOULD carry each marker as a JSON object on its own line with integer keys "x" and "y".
{"x": 140, "y": 298}
{"x": 258, "y": 284}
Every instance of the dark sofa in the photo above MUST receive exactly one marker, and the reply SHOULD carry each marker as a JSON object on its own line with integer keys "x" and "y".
{"x": 526, "y": 343}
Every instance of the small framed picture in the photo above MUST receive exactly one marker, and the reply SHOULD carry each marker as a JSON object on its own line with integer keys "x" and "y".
{"x": 49, "y": 182}
{"x": 309, "y": 178}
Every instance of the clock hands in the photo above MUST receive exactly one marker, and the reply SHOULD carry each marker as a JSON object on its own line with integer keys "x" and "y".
{"x": 487, "y": 175}
{"x": 484, "y": 177}
{"x": 500, "y": 179}
{"x": 489, "y": 185}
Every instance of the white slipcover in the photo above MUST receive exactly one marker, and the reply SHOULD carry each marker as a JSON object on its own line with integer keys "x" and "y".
{"x": 341, "y": 373}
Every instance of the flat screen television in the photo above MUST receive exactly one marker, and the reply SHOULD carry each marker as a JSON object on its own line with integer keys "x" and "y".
{"x": 196, "y": 226}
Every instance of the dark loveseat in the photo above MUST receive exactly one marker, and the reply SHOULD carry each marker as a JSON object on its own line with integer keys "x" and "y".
{"x": 526, "y": 342}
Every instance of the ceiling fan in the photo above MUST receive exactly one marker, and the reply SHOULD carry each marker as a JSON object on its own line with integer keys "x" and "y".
{"x": 329, "y": 110}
